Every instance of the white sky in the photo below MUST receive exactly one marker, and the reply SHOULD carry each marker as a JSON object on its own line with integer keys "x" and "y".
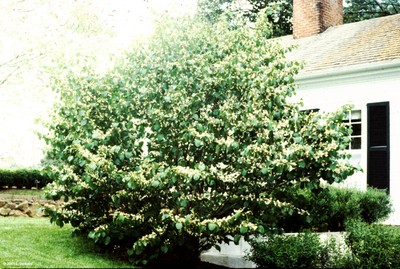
{"x": 35, "y": 32}
{"x": 139, "y": 12}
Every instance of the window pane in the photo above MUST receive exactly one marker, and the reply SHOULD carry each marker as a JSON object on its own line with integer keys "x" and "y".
{"x": 356, "y": 143}
{"x": 356, "y": 129}
{"x": 356, "y": 115}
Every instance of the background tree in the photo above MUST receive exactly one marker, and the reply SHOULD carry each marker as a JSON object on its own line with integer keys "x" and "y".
{"x": 277, "y": 11}
{"x": 358, "y": 10}
{"x": 188, "y": 142}
{"x": 280, "y": 12}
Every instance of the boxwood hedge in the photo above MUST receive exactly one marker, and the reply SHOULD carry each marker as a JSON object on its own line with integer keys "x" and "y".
{"x": 28, "y": 178}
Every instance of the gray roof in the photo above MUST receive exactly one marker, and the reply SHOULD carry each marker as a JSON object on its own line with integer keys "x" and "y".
{"x": 372, "y": 41}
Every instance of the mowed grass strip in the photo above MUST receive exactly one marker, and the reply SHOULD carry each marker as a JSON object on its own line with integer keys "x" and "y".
{"x": 36, "y": 243}
{"x": 38, "y": 194}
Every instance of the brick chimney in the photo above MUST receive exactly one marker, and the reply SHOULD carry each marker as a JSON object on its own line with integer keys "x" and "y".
{"x": 311, "y": 17}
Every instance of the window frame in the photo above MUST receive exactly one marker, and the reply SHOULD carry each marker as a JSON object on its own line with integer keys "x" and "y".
{"x": 349, "y": 120}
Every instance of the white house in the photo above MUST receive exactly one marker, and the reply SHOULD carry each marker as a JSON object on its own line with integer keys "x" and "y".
{"x": 356, "y": 64}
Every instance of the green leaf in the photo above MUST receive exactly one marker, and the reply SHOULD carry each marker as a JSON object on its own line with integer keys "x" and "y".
{"x": 264, "y": 170}
{"x": 236, "y": 239}
{"x": 212, "y": 226}
{"x": 155, "y": 183}
{"x": 156, "y": 127}
{"x": 164, "y": 248}
{"x": 297, "y": 139}
{"x": 243, "y": 229}
{"x": 107, "y": 240}
{"x": 202, "y": 167}
{"x": 120, "y": 218}
{"x": 132, "y": 184}
{"x": 198, "y": 143}
{"x": 184, "y": 203}
{"x": 279, "y": 169}
{"x": 235, "y": 145}
{"x": 179, "y": 226}
{"x": 92, "y": 234}
{"x": 301, "y": 164}
{"x": 160, "y": 137}
{"x": 92, "y": 166}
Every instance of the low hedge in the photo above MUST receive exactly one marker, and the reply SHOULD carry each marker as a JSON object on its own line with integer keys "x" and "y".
{"x": 368, "y": 246}
{"x": 301, "y": 250}
{"x": 20, "y": 178}
{"x": 373, "y": 245}
{"x": 330, "y": 209}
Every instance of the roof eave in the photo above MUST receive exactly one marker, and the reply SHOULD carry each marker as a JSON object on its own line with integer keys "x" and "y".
{"x": 348, "y": 74}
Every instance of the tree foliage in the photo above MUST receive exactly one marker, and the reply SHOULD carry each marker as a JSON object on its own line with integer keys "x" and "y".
{"x": 189, "y": 141}
{"x": 280, "y": 12}
{"x": 359, "y": 10}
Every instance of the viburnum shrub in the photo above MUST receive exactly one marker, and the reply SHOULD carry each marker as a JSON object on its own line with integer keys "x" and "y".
{"x": 189, "y": 141}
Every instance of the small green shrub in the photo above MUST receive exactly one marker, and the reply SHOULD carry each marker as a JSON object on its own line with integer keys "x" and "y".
{"x": 339, "y": 205}
{"x": 302, "y": 250}
{"x": 331, "y": 208}
{"x": 375, "y": 205}
{"x": 23, "y": 178}
{"x": 373, "y": 245}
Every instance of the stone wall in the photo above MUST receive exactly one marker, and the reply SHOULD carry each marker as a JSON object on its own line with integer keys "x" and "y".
{"x": 24, "y": 207}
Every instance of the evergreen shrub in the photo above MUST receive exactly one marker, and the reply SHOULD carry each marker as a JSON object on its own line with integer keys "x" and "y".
{"x": 28, "y": 178}
{"x": 373, "y": 245}
{"x": 333, "y": 206}
{"x": 299, "y": 250}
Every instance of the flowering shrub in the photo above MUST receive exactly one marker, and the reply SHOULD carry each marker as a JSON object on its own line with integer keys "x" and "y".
{"x": 188, "y": 142}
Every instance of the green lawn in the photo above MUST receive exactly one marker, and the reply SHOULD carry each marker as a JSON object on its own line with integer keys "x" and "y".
{"x": 23, "y": 192}
{"x": 35, "y": 243}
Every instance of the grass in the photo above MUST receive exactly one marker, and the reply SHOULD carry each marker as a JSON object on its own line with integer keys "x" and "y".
{"x": 35, "y": 243}
{"x": 22, "y": 192}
